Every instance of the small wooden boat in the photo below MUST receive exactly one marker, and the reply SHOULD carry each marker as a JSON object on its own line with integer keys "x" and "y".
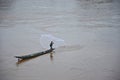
{"x": 34, "y": 55}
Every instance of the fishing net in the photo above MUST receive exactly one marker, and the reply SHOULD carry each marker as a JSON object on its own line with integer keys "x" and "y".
{"x": 46, "y": 39}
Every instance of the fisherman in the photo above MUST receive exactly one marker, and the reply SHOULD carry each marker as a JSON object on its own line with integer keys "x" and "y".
{"x": 51, "y": 44}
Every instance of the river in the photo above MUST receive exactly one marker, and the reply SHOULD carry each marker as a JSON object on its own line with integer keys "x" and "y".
{"x": 90, "y": 28}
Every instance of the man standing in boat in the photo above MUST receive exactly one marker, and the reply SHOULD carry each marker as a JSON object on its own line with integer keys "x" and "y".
{"x": 51, "y": 44}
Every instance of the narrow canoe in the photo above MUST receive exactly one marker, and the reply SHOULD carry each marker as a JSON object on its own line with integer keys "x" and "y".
{"x": 35, "y": 54}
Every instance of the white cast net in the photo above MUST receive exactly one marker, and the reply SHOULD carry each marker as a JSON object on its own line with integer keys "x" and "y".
{"x": 45, "y": 40}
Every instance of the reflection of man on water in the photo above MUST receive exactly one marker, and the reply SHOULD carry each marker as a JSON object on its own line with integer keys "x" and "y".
{"x": 51, "y": 44}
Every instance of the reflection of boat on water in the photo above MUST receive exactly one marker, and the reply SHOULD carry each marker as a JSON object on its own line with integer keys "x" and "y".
{"x": 23, "y": 60}
{"x": 34, "y": 55}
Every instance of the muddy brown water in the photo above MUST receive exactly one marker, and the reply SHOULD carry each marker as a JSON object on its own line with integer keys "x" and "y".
{"x": 90, "y": 28}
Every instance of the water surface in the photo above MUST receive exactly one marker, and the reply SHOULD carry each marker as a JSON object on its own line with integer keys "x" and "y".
{"x": 90, "y": 28}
